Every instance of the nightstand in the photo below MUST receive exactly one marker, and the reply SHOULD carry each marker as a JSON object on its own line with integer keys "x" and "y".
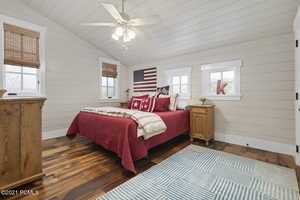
{"x": 202, "y": 122}
{"x": 124, "y": 104}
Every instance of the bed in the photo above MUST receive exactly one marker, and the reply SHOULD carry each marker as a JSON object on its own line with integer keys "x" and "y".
{"x": 120, "y": 134}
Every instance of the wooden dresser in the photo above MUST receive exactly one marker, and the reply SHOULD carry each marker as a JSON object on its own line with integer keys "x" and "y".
{"x": 202, "y": 122}
{"x": 20, "y": 141}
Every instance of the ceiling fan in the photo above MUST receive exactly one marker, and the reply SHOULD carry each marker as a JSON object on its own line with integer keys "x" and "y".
{"x": 124, "y": 24}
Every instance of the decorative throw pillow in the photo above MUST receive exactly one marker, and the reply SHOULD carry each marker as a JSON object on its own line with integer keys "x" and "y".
{"x": 162, "y": 104}
{"x": 136, "y": 103}
{"x": 148, "y": 104}
{"x": 173, "y": 102}
{"x": 136, "y": 97}
{"x": 163, "y": 90}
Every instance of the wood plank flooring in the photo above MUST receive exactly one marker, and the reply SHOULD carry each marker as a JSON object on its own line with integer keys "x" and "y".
{"x": 80, "y": 170}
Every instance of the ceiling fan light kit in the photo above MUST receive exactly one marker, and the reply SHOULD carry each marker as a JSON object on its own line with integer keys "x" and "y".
{"x": 131, "y": 34}
{"x": 125, "y": 33}
{"x": 124, "y": 25}
{"x": 119, "y": 31}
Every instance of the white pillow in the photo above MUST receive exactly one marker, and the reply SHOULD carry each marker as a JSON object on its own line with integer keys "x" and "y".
{"x": 173, "y": 102}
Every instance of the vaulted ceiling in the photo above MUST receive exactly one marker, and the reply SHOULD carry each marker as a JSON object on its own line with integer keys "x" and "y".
{"x": 187, "y": 25}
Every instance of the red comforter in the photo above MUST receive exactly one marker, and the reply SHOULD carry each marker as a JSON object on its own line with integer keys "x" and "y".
{"x": 120, "y": 134}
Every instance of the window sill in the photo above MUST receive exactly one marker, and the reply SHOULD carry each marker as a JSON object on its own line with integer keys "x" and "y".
{"x": 26, "y": 95}
{"x": 110, "y": 100}
{"x": 225, "y": 98}
{"x": 184, "y": 98}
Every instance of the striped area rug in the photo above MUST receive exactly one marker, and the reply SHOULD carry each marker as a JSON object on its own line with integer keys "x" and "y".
{"x": 197, "y": 173}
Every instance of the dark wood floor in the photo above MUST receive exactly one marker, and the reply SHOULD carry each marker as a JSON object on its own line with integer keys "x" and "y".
{"x": 79, "y": 169}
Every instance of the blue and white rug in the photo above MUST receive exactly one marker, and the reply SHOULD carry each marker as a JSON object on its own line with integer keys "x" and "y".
{"x": 197, "y": 173}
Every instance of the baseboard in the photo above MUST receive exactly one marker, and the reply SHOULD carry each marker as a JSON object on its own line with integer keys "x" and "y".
{"x": 54, "y": 134}
{"x": 257, "y": 143}
{"x": 288, "y": 149}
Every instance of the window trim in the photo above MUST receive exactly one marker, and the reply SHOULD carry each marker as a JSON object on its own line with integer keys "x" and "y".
{"x": 42, "y": 50}
{"x": 234, "y": 65}
{"x": 181, "y": 72}
{"x": 101, "y": 97}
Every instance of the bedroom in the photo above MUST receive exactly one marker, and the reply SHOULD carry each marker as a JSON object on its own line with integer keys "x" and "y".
{"x": 239, "y": 57}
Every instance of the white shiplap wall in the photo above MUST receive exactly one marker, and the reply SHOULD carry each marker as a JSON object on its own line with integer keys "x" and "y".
{"x": 72, "y": 69}
{"x": 266, "y": 109}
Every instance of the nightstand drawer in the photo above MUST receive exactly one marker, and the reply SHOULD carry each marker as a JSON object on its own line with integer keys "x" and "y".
{"x": 198, "y": 114}
{"x": 200, "y": 110}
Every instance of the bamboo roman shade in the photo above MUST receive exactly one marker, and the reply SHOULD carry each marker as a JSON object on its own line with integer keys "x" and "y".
{"x": 109, "y": 70}
{"x": 21, "y": 46}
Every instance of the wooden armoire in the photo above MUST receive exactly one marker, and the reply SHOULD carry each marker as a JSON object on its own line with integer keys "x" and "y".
{"x": 20, "y": 141}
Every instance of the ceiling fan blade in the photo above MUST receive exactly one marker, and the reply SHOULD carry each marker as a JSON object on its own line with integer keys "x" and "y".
{"x": 155, "y": 19}
{"x": 113, "y": 11}
{"x": 100, "y": 24}
{"x": 141, "y": 34}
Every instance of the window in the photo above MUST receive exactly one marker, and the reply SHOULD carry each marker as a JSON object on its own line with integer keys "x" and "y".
{"x": 108, "y": 87}
{"x": 179, "y": 81}
{"x": 109, "y": 79}
{"x": 221, "y": 80}
{"x": 22, "y": 68}
{"x": 21, "y": 80}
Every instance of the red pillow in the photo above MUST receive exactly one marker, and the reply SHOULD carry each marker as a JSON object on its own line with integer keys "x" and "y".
{"x": 162, "y": 104}
{"x": 137, "y": 97}
{"x": 148, "y": 104}
{"x": 136, "y": 104}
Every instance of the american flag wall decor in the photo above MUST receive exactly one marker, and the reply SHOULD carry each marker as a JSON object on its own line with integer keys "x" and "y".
{"x": 145, "y": 80}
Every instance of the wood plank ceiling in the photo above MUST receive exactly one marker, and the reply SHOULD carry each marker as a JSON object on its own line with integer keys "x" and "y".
{"x": 187, "y": 26}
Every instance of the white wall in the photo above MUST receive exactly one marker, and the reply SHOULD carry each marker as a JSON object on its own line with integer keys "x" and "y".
{"x": 72, "y": 69}
{"x": 266, "y": 109}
